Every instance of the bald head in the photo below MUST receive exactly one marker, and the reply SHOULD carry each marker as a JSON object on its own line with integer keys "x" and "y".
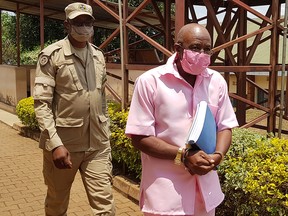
{"x": 192, "y": 31}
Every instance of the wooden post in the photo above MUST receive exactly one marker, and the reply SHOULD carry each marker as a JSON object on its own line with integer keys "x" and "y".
{"x": 179, "y": 15}
{"x": 168, "y": 43}
{"x": 18, "y": 34}
{"x": 241, "y": 82}
{"x": 273, "y": 73}
{"x": 1, "y": 44}
{"x": 42, "y": 24}
{"x": 125, "y": 49}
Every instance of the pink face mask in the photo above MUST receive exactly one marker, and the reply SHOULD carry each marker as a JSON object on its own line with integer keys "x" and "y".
{"x": 194, "y": 62}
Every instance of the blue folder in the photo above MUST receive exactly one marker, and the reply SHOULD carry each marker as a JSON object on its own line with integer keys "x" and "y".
{"x": 202, "y": 133}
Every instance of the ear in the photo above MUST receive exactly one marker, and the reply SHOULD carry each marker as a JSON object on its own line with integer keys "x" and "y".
{"x": 66, "y": 26}
{"x": 177, "y": 47}
{"x": 179, "y": 51}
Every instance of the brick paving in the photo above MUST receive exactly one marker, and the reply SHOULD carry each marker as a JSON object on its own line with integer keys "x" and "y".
{"x": 22, "y": 190}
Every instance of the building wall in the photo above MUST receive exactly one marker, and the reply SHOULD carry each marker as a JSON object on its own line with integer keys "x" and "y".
{"x": 13, "y": 84}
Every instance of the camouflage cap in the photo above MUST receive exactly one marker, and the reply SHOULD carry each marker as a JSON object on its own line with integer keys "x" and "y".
{"x": 76, "y": 9}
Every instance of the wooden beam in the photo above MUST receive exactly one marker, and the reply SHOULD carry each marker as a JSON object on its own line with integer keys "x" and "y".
{"x": 217, "y": 26}
{"x": 18, "y": 34}
{"x": 180, "y": 18}
{"x": 251, "y": 103}
{"x": 150, "y": 25}
{"x": 228, "y": 25}
{"x": 42, "y": 24}
{"x": 149, "y": 40}
{"x": 242, "y": 38}
{"x": 137, "y": 10}
{"x": 168, "y": 41}
{"x": 124, "y": 60}
{"x": 1, "y": 43}
{"x": 110, "y": 38}
{"x": 255, "y": 121}
{"x": 256, "y": 40}
{"x": 133, "y": 44}
{"x": 241, "y": 77}
{"x": 242, "y": 68}
{"x": 158, "y": 13}
{"x": 192, "y": 12}
{"x": 107, "y": 9}
{"x": 257, "y": 86}
{"x": 251, "y": 10}
{"x": 114, "y": 93}
{"x": 273, "y": 61}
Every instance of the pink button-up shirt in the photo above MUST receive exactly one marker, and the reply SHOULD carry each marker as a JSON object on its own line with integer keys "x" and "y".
{"x": 163, "y": 105}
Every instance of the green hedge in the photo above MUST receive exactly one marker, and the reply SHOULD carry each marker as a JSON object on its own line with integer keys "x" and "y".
{"x": 254, "y": 174}
{"x": 26, "y": 114}
{"x": 122, "y": 149}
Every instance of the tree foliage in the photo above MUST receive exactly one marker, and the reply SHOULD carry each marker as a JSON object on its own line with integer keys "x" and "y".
{"x": 29, "y": 34}
{"x": 30, "y": 31}
{"x": 9, "y": 52}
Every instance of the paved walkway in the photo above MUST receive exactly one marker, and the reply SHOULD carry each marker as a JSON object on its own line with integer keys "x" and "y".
{"x": 22, "y": 190}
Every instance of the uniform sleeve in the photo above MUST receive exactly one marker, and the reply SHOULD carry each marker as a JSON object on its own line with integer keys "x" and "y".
{"x": 43, "y": 97}
{"x": 102, "y": 75}
{"x": 104, "y": 82}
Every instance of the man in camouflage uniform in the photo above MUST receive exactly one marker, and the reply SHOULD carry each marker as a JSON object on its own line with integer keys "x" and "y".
{"x": 70, "y": 106}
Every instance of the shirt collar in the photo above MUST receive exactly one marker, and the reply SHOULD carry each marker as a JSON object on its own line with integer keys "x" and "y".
{"x": 68, "y": 48}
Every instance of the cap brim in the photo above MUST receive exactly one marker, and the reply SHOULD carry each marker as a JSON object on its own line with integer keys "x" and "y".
{"x": 77, "y": 13}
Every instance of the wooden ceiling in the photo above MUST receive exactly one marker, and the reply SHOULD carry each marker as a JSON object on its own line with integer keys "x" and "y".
{"x": 54, "y": 9}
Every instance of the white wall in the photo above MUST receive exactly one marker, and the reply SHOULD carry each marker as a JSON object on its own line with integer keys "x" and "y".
{"x": 13, "y": 84}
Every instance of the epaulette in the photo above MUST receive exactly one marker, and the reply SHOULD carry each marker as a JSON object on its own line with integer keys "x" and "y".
{"x": 46, "y": 52}
{"x": 50, "y": 49}
{"x": 97, "y": 48}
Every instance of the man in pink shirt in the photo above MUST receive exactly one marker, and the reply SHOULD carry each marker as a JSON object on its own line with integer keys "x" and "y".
{"x": 162, "y": 109}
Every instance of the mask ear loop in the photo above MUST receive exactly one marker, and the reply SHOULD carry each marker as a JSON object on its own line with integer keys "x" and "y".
{"x": 176, "y": 57}
{"x": 179, "y": 47}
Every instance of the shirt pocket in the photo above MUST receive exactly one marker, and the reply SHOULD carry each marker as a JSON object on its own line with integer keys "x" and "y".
{"x": 103, "y": 128}
{"x": 76, "y": 80}
{"x": 69, "y": 129}
{"x": 67, "y": 78}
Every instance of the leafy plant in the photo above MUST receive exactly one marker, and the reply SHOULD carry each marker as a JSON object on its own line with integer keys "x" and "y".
{"x": 26, "y": 114}
{"x": 9, "y": 51}
{"x": 31, "y": 57}
{"x": 254, "y": 176}
{"x": 122, "y": 148}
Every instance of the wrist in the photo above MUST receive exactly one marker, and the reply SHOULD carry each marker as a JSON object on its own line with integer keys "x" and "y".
{"x": 179, "y": 156}
{"x": 183, "y": 155}
{"x": 55, "y": 148}
{"x": 188, "y": 152}
{"x": 221, "y": 154}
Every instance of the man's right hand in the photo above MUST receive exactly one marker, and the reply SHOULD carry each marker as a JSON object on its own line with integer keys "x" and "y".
{"x": 198, "y": 162}
{"x": 61, "y": 158}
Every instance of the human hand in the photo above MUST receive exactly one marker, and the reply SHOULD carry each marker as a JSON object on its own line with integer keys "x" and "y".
{"x": 198, "y": 162}
{"x": 217, "y": 158}
{"x": 61, "y": 158}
